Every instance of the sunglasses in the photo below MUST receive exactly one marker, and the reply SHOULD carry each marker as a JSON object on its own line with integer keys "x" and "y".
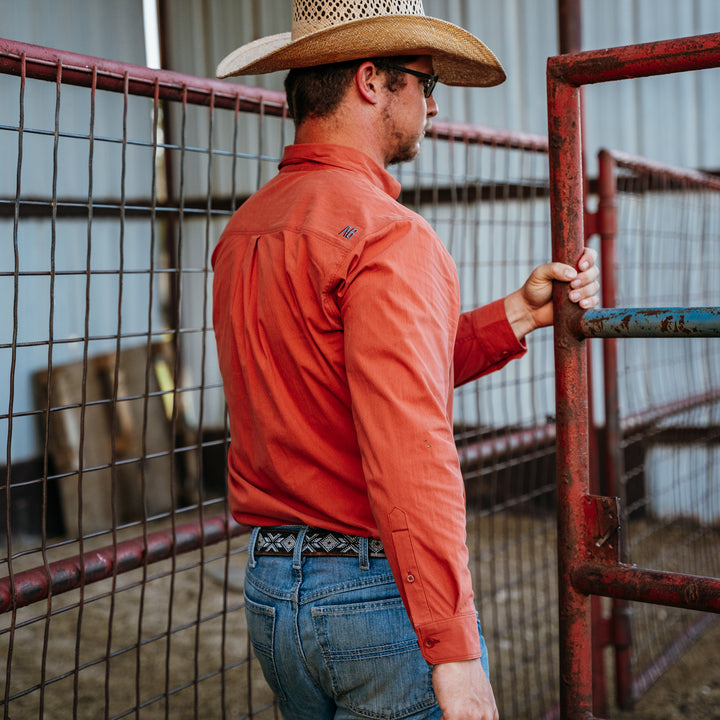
{"x": 429, "y": 81}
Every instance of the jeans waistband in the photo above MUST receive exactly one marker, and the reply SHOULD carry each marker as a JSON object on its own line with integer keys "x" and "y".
{"x": 316, "y": 541}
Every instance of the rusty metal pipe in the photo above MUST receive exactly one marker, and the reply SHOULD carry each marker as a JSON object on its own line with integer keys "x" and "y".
{"x": 698, "y": 322}
{"x": 635, "y": 61}
{"x": 620, "y": 636}
{"x": 69, "y": 574}
{"x": 42, "y": 63}
{"x": 628, "y": 582}
{"x": 571, "y": 392}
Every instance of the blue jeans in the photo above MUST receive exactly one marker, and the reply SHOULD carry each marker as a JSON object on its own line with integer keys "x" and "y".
{"x": 334, "y": 640}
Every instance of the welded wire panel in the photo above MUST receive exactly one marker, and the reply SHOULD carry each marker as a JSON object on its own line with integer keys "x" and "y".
{"x": 120, "y": 571}
{"x": 669, "y": 396}
{"x": 112, "y": 415}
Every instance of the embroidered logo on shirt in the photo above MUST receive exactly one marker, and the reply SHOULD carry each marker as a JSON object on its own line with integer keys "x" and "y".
{"x": 348, "y": 231}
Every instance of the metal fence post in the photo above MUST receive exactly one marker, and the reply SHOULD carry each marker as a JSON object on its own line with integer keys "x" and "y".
{"x": 613, "y": 454}
{"x": 571, "y": 390}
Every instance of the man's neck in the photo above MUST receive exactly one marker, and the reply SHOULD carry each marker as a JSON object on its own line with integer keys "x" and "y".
{"x": 335, "y": 131}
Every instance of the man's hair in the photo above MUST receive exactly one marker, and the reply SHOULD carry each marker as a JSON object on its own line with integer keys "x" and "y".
{"x": 316, "y": 92}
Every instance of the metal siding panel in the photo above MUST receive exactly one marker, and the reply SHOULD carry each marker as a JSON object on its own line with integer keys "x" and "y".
{"x": 94, "y": 27}
{"x": 102, "y": 29}
{"x": 215, "y": 29}
{"x": 496, "y": 106}
{"x": 707, "y": 19}
{"x": 666, "y": 104}
{"x": 538, "y": 39}
{"x": 662, "y": 19}
{"x": 611, "y": 108}
{"x": 523, "y": 33}
{"x": 199, "y": 34}
{"x": 667, "y": 118}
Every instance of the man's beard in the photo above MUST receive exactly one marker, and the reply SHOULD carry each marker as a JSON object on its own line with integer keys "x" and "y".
{"x": 406, "y": 147}
{"x": 404, "y": 152}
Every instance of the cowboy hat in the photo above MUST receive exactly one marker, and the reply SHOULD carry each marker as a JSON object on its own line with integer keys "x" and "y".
{"x": 332, "y": 31}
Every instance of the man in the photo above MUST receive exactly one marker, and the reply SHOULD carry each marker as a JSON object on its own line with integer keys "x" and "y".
{"x": 340, "y": 339}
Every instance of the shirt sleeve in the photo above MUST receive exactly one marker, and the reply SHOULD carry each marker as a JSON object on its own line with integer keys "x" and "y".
{"x": 400, "y": 309}
{"x": 485, "y": 343}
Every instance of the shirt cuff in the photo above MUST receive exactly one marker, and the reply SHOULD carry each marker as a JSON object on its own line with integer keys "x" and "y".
{"x": 452, "y": 640}
{"x": 497, "y": 333}
{"x": 485, "y": 342}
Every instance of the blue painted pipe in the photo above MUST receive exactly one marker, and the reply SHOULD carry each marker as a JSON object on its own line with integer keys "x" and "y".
{"x": 650, "y": 322}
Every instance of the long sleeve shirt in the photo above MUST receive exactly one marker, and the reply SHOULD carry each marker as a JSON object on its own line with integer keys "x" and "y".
{"x": 340, "y": 339}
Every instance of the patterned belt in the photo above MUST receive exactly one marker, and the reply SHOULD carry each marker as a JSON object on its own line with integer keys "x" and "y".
{"x": 281, "y": 541}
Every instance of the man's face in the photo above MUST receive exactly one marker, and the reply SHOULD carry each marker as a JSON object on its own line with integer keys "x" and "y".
{"x": 407, "y": 115}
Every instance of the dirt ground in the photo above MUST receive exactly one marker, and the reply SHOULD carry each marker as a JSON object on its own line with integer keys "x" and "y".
{"x": 689, "y": 690}
{"x": 169, "y": 640}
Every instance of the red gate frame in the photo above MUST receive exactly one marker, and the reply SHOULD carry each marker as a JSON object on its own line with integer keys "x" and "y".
{"x": 588, "y": 526}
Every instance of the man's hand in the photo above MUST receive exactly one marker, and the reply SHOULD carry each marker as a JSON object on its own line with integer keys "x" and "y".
{"x": 531, "y": 307}
{"x": 463, "y": 691}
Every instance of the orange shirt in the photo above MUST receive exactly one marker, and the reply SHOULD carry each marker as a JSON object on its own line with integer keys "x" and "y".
{"x": 340, "y": 339}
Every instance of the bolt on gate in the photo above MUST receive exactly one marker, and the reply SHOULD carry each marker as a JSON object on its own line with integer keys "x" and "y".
{"x": 590, "y": 559}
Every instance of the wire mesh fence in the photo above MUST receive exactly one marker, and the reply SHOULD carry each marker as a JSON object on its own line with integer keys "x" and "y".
{"x": 666, "y": 255}
{"x": 121, "y": 572}
{"x": 120, "y": 590}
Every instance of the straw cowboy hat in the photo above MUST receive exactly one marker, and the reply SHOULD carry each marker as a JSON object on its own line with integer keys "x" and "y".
{"x": 331, "y": 31}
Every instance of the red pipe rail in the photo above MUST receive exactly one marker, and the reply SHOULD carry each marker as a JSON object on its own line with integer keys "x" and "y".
{"x": 583, "y": 546}
{"x": 671, "y": 175}
{"x": 29, "y": 586}
{"x": 42, "y": 63}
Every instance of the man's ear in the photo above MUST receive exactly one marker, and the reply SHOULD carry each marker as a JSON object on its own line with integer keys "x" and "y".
{"x": 368, "y": 83}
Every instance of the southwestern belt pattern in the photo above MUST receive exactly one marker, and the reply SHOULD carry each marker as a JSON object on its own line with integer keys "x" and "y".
{"x": 276, "y": 541}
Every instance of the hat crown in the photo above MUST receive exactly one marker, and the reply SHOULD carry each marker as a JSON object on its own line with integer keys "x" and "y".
{"x": 310, "y": 16}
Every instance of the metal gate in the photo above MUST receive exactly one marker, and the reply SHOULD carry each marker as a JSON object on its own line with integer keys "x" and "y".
{"x": 590, "y": 555}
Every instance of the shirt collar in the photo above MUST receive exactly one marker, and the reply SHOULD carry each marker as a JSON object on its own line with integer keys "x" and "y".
{"x": 340, "y": 156}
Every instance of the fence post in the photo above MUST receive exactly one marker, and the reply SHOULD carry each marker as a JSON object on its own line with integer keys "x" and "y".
{"x": 613, "y": 454}
{"x": 571, "y": 397}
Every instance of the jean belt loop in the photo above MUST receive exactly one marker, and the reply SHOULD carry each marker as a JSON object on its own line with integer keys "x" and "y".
{"x": 364, "y": 553}
{"x": 297, "y": 551}
{"x": 251, "y": 547}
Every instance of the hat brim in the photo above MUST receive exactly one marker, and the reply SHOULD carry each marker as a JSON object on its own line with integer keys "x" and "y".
{"x": 459, "y": 58}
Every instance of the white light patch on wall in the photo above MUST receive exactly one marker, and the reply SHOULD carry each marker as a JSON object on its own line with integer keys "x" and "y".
{"x": 152, "y": 34}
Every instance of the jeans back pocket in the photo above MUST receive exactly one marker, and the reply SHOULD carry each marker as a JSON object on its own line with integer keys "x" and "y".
{"x": 372, "y": 655}
{"x": 261, "y": 626}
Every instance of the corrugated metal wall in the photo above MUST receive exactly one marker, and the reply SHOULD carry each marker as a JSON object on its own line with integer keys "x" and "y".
{"x": 669, "y": 119}
{"x": 104, "y": 28}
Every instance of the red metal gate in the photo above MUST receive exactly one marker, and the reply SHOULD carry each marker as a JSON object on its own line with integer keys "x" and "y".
{"x": 589, "y": 554}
